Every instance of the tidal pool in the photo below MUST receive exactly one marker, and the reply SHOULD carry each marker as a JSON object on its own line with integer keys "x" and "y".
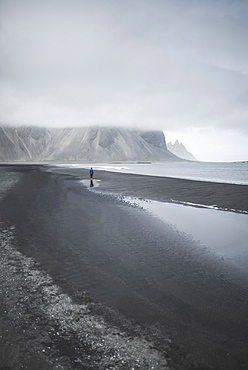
{"x": 224, "y": 233}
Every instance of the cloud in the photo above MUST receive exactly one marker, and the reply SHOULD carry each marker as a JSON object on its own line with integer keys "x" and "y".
{"x": 162, "y": 64}
{"x": 210, "y": 144}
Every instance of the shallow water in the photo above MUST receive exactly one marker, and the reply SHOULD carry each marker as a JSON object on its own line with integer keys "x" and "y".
{"x": 94, "y": 248}
{"x": 90, "y": 183}
{"x": 224, "y": 233}
{"x": 236, "y": 173}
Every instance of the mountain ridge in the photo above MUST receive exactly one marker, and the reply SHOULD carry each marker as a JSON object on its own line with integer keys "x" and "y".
{"x": 29, "y": 143}
{"x": 180, "y": 150}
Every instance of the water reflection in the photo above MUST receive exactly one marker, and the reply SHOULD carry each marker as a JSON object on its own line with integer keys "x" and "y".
{"x": 90, "y": 183}
{"x": 225, "y": 233}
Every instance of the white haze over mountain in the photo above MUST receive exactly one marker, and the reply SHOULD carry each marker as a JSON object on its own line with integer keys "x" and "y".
{"x": 174, "y": 65}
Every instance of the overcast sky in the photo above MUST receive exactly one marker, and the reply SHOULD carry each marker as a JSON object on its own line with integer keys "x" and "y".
{"x": 176, "y": 65}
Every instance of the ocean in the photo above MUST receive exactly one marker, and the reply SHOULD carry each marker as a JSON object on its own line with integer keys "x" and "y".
{"x": 223, "y": 233}
{"x": 224, "y": 172}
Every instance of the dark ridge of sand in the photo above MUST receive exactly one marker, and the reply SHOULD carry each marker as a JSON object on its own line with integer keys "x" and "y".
{"x": 90, "y": 282}
{"x": 232, "y": 197}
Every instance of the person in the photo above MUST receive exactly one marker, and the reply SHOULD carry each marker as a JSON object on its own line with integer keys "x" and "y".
{"x": 91, "y": 172}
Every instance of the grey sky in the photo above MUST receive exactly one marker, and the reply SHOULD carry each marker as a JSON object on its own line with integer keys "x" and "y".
{"x": 176, "y": 65}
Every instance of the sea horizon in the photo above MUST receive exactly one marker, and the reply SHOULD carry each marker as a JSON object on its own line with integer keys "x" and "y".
{"x": 223, "y": 172}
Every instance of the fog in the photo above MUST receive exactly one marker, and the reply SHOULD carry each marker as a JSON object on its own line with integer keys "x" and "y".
{"x": 179, "y": 66}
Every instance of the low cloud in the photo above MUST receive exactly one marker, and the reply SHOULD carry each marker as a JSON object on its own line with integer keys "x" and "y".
{"x": 163, "y": 64}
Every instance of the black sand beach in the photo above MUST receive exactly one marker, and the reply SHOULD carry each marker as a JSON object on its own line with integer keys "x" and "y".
{"x": 232, "y": 197}
{"x": 90, "y": 282}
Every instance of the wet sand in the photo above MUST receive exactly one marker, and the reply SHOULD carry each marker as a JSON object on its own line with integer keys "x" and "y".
{"x": 90, "y": 282}
{"x": 232, "y": 197}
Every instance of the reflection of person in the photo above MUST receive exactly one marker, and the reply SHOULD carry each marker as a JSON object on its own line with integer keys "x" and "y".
{"x": 91, "y": 183}
{"x": 91, "y": 172}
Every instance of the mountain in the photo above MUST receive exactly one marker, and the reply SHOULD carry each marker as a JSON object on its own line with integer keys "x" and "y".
{"x": 180, "y": 151}
{"x": 82, "y": 143}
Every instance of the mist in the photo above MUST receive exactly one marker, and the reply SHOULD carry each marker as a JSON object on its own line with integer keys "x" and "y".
{"x": 178, "y": 66}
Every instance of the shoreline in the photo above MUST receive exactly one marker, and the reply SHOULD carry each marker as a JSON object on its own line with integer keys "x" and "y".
{"x": 223, "y": 196}
{"x": 96, "y": 263}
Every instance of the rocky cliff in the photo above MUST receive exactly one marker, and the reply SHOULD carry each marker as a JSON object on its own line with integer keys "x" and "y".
{"x": 84, "y": 143}
{"x": 179, "y": 150}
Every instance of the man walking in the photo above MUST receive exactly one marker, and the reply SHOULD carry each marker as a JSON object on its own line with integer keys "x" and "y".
{"x": 91, "y": 172}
